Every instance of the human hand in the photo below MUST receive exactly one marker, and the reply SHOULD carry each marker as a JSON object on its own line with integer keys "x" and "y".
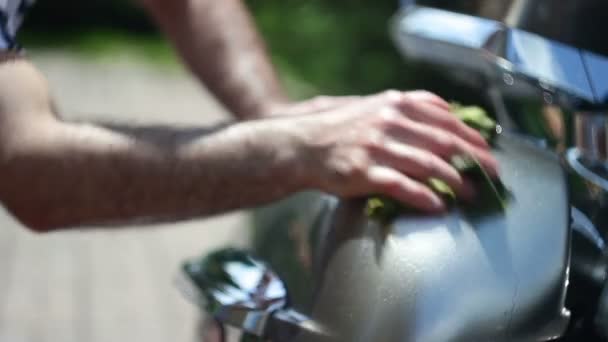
{"x": 314, "y": 105}
{"x": 390, "y": 144}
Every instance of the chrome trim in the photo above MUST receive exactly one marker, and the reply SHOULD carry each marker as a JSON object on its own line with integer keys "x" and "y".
{"x": 590, "y": 136}
{"x": 527, "y": 64}
{"x": 240, "y": 291}
{"x": 573, "y": 158}
{"x": 597, "y": 67}
{"x": 582, "y": 224}
{"x": 552, "y": 64}
{"x": 444, "y": 38}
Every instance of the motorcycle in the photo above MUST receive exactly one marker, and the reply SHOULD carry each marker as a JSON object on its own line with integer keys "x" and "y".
{"x": 538, "y": 271}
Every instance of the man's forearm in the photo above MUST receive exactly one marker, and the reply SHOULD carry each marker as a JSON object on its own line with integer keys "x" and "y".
{"x": 219, "y": 42}
{"x": 58, "y": 174}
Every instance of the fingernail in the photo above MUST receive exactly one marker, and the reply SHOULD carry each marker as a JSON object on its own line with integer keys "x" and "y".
{"x": 437, "y": 203}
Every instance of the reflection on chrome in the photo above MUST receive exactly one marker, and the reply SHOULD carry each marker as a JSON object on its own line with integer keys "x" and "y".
{"x": 490, "y": 48}
{"x": 240, "y": 291}
{"x": 590, "y": 134}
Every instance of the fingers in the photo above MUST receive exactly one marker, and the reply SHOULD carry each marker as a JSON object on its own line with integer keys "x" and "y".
{"x": 404, "y": 189}
{"x": 421, "y": 165}
{"x": 428, "y": 108}
{"x": 392, "y": 143}
{"x": 431, "y": 114}
{"x": 441, "y": 142}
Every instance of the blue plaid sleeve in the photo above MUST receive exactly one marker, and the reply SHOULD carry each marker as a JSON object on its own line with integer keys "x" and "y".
{"x": 11, "y": 17}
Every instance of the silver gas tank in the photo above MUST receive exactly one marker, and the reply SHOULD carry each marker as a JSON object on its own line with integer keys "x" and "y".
{"x": 501, "y": 277}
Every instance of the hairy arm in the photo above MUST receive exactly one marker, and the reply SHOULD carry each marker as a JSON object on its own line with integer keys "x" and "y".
{"x": 220, "y": 44}
{"x": 58, "y": 174}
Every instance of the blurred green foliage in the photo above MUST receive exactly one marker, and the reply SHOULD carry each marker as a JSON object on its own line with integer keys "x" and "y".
{"x": 338, "y": 46}
{"x": 344, "y": 47}
{"x": 334, "y": 47}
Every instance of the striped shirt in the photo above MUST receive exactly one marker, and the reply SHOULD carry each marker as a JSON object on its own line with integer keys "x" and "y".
{"x": 11, "y": 17}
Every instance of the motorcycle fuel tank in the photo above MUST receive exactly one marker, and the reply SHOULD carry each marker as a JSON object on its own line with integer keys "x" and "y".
{"x": 501, "y": 277}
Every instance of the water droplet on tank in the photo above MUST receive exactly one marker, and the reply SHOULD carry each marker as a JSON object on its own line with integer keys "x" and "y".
{"x": 498, "y": 129}
{"x": 544, "y": 84}
{"x": 508, "y": 79}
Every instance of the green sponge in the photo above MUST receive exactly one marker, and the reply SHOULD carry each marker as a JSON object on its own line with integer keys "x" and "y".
{"x": 491, "y": 193}
{"x": 477, "y": 118}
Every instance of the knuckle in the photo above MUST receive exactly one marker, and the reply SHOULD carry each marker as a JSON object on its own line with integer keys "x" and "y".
{"x": 360, "y": 167}
{"x": 324, "y": 98}
{"x": 393, "y": 187}
{"x": 408, "y": 103}
{"x": 388, "y": 116}
{"x": 384, "y": 180}
{"x": 423, "y": 93}
{"x": 429, "y": 165}
{"x": 393, "y": 95}
{"x": 320, "y": 101}
{"x": 446, "y": 143}
{"x": 448, "y": 124}
{"x": 341, "y": 173}
{"x": 420, "y": 192}
{"x": 373, "y": 140}
{"x": 353, "y": 165}
{"x": 452, "y": 122}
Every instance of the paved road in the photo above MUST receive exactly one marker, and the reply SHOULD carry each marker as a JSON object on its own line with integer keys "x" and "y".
{"x": 112, "y": 285}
